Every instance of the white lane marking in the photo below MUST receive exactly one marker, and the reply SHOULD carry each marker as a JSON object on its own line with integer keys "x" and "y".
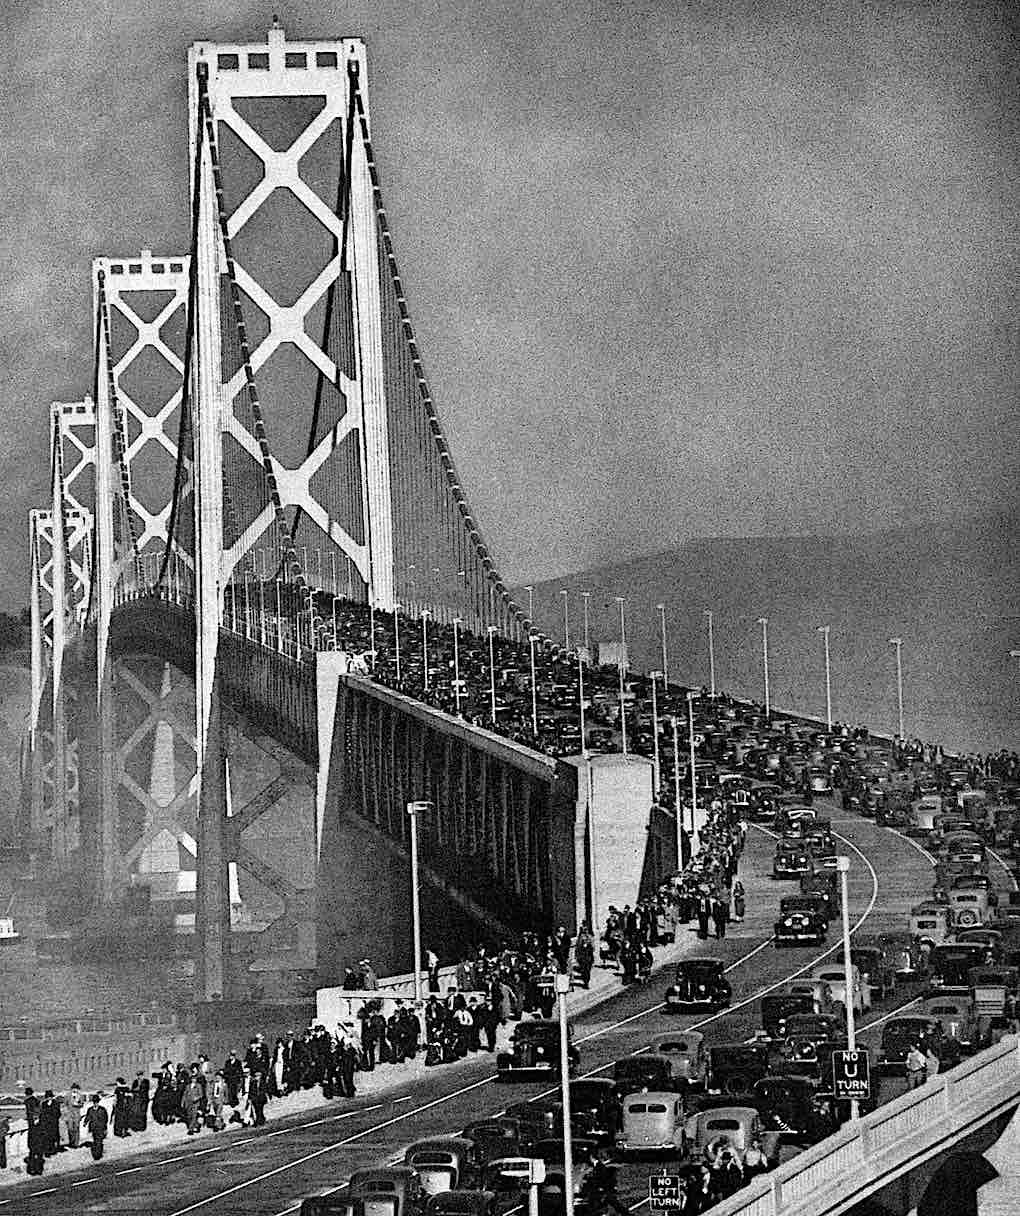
{"x": 1008, "y": 872}
{"x": 913, "y": 844}
{"x": 32, "y": 1194}
{"x": 217, "y": 1149}
{"x": 886, "y": 1016}
{"x": 86, "y": 1182}
{"x": 328, "y": 1148}
{"x": 133, "y": 1170}
{"x": 405, "y": 1098}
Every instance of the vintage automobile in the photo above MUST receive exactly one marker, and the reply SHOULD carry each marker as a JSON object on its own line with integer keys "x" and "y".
{"x": 819, "y": 1027}
{"x": 790, "y": 861}
{"x": 834, "y": 974}
{"x": 984, "y": 935}
{"x": 820, "y": 886}
{"x": 733, "y": 1068}
{"x": 464, "y": 1203}
{"x": 395, "y": 1190}
{"x": 534, "y": 1050}
{"x": 808, "y": 1056}
{"x": 800, "y": 929}
{"x": 442, "y": 1162}
{"x": 994, "y": 990}
{"x": 899, "y": 1034}
{"x": 816, "y": 903}
{"x": 331, "y": 1203}
{"x": 968, "y": 906}
{"x": 688, "y": 1057}
{"x": 653, "y": 1122}
{"x": 597, "y": 1100}
{"x": 977, "y": 881}
{"x": 778, "y": 1007}
{"x": 876, "y": 970}
{"x": 954, "y": 1010}
{"x": 698, "y": 983}
{"x": 645, "y": 1071}
{"x": 498, "y": 1137}
{"x": 951, "y": 962}
{"x": 924, "y": 812}
{"x": 929, "y": 922}
{"x": 738, "y": 1124}
{"x": 796, "y": 1108}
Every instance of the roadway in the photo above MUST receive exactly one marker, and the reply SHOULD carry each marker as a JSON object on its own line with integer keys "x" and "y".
{"x": 265, "y": 1172}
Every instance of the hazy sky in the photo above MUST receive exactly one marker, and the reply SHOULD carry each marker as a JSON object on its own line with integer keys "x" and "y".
{"x": 676, "y": 269}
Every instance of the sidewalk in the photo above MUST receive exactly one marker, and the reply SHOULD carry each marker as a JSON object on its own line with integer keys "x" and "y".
{"x": 384, "y": 1079}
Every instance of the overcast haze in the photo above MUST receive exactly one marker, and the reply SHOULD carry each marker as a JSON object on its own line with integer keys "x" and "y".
{"x": 676, "y": 270}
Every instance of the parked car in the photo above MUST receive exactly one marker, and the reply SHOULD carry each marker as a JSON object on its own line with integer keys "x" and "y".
{"x": 790, "y": 861}
{"x": 653, "y": 1121}
{"x": 464, "y": 1203}
{"x": 698, "y": 983}
{"x": 929, "y": 922}
{"x": 796, "y": 1109}
{"x": 331, "y": 1203}
{"x": 401, "y": 1185}
{"x": 534, "y": 1049}
{"x": 805, "y": 903}
{"x": 951, "y": 962}
{"x": 955, "y": 1013}
{"x": 688, "y": 1057}
{"x": 968, "y": 906}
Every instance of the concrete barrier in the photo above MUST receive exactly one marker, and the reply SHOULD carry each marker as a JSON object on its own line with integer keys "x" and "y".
{"x": 862, "y": 1157}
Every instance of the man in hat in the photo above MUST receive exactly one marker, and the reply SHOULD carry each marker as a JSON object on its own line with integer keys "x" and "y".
{"x": 369, "y": 979}
{"x": 97, "y": 1121}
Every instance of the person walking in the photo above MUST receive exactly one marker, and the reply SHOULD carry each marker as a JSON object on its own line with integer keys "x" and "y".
{"x": 739, "y": 902}
{"x": 218, "y": 1093}
{"x": 49, "y": 1121}
{"x": 37, "y": 1142}
{"x": 584, "y": 953}
{"x": 97, "y": 1121}
{"x": 917, "y": 1067}
{"x": 704, "y": 911}
{"x": 192, "y": 1102}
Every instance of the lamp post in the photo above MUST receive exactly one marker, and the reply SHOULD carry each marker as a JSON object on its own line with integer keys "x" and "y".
{"x": 396, "y": 636}
{"x": 492, "y": 672}
{"x": 824, "y": 631}
{"x": 336, "y": 630}
{"x": 532, "y": 639}
{"x": 694, "y": 773}
{"x": 414, "y": 809}
{"x": 456, "y": 663}
{"x": 898, "y": 643}
{"x": 711, "y": 653}
{"x": 621, "y": 665}
{"x": 566, "y": 620}
{"x": 676, "y": 795}
{"x": 665, "y": 658}
{"x": 585, "y": 597}
{"x": 580, "y": 705}
{"x": 531, "y": 604}
{"x": 763, "y": 621}
{"x": 562, "y": 988}
{"x": 843, "y": 868}
{"x": 425, "y": 644}
{"x": 656, "y": 773}
{"x": 371, "y": 627}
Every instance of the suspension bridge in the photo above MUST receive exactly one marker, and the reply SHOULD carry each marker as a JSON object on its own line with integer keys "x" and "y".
{"x": 253, "y": 504}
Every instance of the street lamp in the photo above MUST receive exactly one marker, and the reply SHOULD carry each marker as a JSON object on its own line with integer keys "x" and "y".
{"x": 371, "y": 626}
{"x": 621, "y": 664}
{"x": 531, "y": 604}
{"x": 711, "y": 652}
{"x": 396, "y": 636}
{"x": 580, "y": 705}
{"x": 425, "y": 644}
{"x": 566, "y": 620}
{"x": 585, "y": 597}
{"x": 492, "y": 671}
{"x": 456, "y": 663}
{"x": 824, "y": 631}
{"x": 532, "y": 639}
{"x": 898, "y": 643}
{"x": 414, "y": 809}
{"x": 665, "y": 659}
{"x": 843, "y": 868}
{"x": 763, "y": 621}
{"x": 655, "y": 733}
{"x": 562, "y": 988}
{"x": 676, "y": 795}
{"x": 694, "y": 772}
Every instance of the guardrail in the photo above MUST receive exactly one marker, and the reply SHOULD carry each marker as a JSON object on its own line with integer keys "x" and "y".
{"x": 840, "y": 1171}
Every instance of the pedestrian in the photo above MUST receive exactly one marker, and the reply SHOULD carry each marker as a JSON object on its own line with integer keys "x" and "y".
{"x": 5, "y": 1127}
{"x": 720, "y": 912}
{"x": 232, "y": 1071}
{"x": 432, "y": 966}
{"x": 257, "y": 1097}
{"x": 121, "y": 1109}
{"x": 139, "y": 1117}
{"x": 739, "y": 902}
{"x": 75, "y": 1108}
{"x": 917, "y": 1067}
{"x": 218, "y": 1093}
{"x": 193, "y": 1101}
{"x": 97, "y": 1121}
{"x": 704, "y": 911}
{"x": 32, "y": 1105}
{"x": 369, "y": 979}
{"x": 584, "y": 953}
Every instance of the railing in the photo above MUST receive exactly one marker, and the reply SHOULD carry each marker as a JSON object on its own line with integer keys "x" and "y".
{"x": 860, "y": 1157}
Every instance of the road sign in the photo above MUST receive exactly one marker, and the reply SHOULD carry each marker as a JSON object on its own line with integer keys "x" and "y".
{"x": 851, "y": 1075}
{"x": 665, "y": 1193}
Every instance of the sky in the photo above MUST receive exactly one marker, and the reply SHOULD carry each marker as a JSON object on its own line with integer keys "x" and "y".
{"x": 676, "y": 270}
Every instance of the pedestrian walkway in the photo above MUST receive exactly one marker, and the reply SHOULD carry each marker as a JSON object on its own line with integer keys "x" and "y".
{"x": 392, "y": 1080}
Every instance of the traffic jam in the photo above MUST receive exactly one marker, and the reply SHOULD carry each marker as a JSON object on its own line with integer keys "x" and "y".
{"x": 693, "y": 1113}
